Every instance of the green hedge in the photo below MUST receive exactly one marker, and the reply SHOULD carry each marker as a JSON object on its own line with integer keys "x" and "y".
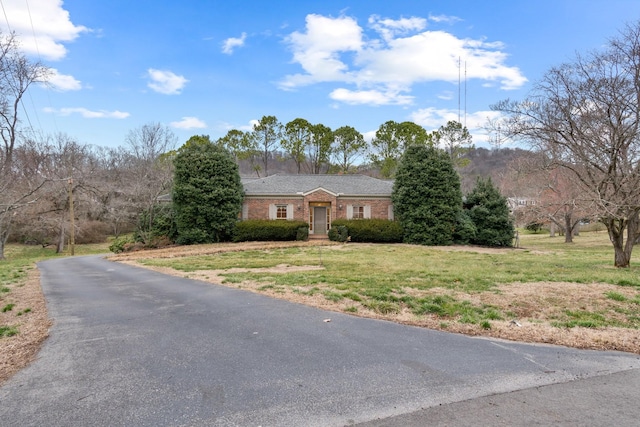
{"x": 338, "y": 233}
{"x": 270, "y": 230}
{"x": 371, "y": 230}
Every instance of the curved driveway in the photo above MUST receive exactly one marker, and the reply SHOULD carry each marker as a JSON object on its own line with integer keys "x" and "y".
{"x": 133, "y": 347}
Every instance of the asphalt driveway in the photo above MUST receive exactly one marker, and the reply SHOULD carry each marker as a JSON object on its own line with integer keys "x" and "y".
{"x": 134, "y": 347}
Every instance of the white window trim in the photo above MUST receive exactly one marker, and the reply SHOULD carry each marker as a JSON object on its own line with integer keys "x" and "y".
{"x": 273, "y": 210}
{"x": 366, "y": 211}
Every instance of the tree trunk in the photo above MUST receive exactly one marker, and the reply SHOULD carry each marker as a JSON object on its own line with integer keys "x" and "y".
{"x": 622, "y": 248}
{"x": 568, "y": 234}
{"x": 3, "y": 240}
{"x": 5, "y": 229}
{"x": 552, "y": 229}
{"x": 622, "y": 257}
{"x": 60, "y": 245}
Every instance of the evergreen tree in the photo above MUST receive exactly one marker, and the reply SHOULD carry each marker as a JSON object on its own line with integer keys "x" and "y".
{"x": 207, "y": 192}
{"x": 489, "y": 211}
{"x": 426, "y": 196}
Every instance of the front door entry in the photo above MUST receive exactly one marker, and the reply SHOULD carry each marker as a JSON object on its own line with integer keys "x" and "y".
{"x": 319, "y": 220}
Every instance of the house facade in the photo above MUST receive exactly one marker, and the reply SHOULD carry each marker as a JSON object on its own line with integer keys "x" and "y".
{"x": 317, "y": 199}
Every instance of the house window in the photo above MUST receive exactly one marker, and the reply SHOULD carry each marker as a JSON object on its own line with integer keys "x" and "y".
{"x": 281, "y": 211}
{"x": 358, "y": 212}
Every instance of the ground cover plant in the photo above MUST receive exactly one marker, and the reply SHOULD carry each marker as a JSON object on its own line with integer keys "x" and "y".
{"x": 544, "y": 291}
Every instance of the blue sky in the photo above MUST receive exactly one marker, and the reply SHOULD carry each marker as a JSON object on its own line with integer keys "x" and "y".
{"x": 205, "y": 67}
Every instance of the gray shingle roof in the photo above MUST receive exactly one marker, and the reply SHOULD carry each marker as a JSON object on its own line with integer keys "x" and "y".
{"x": 347, "y": 185}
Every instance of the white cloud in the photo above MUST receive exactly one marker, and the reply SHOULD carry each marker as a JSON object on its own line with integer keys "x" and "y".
{"x": 63, "y": 82}
{"x": 444, "y": 18}
{"x": 165, "y": 82}
{"x": 231, "y": 43}
{"x": 88, "y": 114}
{"x": 404, "y": 54}
{"x": 42, "y": 25}
{"x": 369, "y": 97}
{"x": 318, "y": 50}
{"x": 189, "y": 123}
{"x": 225, "y": 126}
{"x": 391, "y": 28}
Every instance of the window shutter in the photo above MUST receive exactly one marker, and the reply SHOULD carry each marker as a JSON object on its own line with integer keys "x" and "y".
{"x": 367, "y": 211}
{"x": 289, "y": 211}
{"x": 245, "y": 211}
{"x": 272, "y": 211}
{"x": 349, "y": 211}
{"x": 390, "y": 213}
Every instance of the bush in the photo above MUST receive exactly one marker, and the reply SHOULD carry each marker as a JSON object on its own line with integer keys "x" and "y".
{"x": 303, "y": 233}
{"x": 489, "y": 211}
{"x": 338, "y": 233}
{"x": 157, "y": 226}
{"x": 426, "y": 196}
{"x": 270, "y": 230}
{"x": 465, "y": 230}
{"x": 534, "y": 227}
{"x": 121, "y": 244}
{"x": 207, "y": 192}
{"x": 371, "y": 230}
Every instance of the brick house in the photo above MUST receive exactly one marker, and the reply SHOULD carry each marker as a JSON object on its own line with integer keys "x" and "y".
{"x": 317, "y": 199}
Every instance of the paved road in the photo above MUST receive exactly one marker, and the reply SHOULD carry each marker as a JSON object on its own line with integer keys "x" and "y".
{"x": 132, "y": 347}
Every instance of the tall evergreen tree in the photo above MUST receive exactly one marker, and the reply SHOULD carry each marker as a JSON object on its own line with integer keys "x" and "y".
{"x": 489, "y": 212}
{"x": 207, "y": 192}
{"x": 426, "y": 196}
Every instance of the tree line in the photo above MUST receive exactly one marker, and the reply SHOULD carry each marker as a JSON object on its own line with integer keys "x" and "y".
{"x": 316, "y": 148}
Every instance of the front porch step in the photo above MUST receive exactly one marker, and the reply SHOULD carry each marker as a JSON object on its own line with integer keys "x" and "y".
{"x": 318, "y": 237}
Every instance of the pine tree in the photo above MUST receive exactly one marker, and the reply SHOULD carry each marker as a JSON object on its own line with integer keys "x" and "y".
{"x": 489, "y": 211}
{"x": 207, "y": 193}
{"x": 426, "y": 196}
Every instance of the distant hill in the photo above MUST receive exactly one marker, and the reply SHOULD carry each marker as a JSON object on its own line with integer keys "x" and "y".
{"x": 486, "y": 163}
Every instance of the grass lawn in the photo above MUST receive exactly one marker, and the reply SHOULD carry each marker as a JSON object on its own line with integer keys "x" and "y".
{"x": 545, "y": 291}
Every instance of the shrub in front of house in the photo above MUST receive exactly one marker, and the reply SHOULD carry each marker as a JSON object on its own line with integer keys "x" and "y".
{"x": 303, "y": 233}
{"x": 269, "y": 230}
{"x": 371, "y": 230}
{"x": 338, "y": 233}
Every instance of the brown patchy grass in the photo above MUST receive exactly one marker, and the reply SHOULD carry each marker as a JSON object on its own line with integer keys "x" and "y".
{"x": 16, "y": 352}
{"x": 533, "y": 307}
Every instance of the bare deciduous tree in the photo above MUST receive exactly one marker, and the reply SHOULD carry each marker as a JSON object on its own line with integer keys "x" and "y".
{"x": 17, "y": 74}
{"x": 150, "y": 168}
{"x": 585, "y": 115}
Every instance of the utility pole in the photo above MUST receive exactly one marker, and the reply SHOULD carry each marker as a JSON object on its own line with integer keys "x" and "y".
{"x": 72, "y": 228}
